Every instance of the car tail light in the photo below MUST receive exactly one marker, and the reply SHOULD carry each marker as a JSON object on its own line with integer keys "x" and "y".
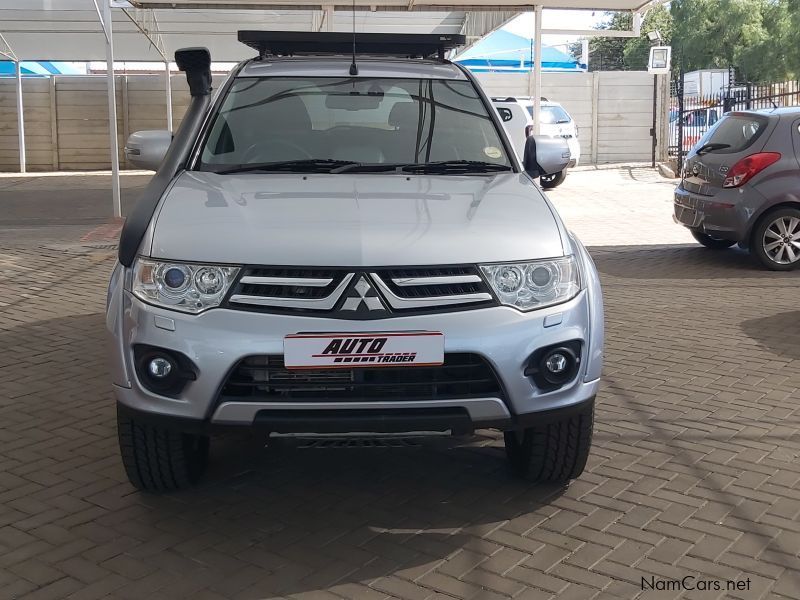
{"x": 744, "y": 170}
{"x": 528, "y": 130}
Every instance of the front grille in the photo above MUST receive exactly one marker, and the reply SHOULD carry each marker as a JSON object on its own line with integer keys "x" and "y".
{"x": 428, "y": 282}
{"x": 264, "y": 378}
{"x": 334, "y": 291}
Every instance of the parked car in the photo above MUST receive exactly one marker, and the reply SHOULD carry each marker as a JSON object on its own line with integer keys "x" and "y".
{"x": 696, "y": 122}
{"x": 337, "y": 249}
{"x": 740, "y": 184}
{"x": 517, "y": 116}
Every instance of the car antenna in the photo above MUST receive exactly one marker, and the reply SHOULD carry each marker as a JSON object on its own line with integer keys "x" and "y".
{"x": 353, "y": 66}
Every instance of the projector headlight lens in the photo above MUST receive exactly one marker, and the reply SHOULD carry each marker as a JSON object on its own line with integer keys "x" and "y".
{"x": 535, "y": 284}
{"x": 180, "y": 286}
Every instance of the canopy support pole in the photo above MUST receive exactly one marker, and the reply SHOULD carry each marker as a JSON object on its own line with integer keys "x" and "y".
{"x": 20, "y": 117}
{"x": 168, "y": 88}
{"x": 537, "y": 68}
{"x": 585, "y": 53}
{"x": 112, "y": 108}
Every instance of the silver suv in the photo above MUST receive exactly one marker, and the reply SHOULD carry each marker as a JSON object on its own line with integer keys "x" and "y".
{"x": 348, "y": 245}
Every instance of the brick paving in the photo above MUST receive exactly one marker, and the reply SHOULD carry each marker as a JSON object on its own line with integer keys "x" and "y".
{"x": 694, "y": 469}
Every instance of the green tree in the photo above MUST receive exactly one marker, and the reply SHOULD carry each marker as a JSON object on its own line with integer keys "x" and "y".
{"x": 749, "y": 35}
{"x": 615, "y": 53}
{"x": 758, "y": 38}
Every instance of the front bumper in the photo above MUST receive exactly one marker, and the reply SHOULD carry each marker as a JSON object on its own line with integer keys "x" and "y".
{"x": 216, "y": 340}
{"x": 575, "y": 151}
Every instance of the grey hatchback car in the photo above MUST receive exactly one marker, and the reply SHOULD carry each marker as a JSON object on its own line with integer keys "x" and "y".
{"x": 741, "y": 184}
{"x": 337, "y": 247}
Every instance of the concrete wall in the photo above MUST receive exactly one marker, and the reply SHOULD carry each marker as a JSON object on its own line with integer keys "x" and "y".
{"x": 613, "y": 109}
{"x": 66, "y": 118}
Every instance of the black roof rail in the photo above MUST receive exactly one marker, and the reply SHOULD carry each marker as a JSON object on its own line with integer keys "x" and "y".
{"x": 293, "y": 43}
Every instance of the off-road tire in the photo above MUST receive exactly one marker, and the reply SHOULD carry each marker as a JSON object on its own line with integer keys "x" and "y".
{"x": 548, "y": 182}
{"x": 157, "y": 459}
{"x": 712, "y": 242}
{"x": 555, "y": 452}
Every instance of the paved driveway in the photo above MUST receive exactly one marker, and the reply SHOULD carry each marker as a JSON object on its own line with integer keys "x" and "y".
{"x": 694, "y": 471}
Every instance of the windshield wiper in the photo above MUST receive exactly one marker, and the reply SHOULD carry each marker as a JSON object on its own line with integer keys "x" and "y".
{"x": 710, "y": 147}
{"x": 357, "y": 167}
{"x": 306, "y": 165}
{"x": 453, "y": 166}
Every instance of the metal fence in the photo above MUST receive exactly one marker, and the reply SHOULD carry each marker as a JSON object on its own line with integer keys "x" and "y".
{"x": 691, "y": 115}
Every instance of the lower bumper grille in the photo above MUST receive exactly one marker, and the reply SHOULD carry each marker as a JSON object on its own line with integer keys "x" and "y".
{"x": 264, "y": 378}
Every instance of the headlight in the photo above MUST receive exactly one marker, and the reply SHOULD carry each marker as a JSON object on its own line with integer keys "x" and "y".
{"x": 180, "y": 286}
{"x": 534, "y": 284}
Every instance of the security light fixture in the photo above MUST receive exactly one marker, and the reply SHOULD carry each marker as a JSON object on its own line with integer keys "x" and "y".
{"x": 654, "y": 36}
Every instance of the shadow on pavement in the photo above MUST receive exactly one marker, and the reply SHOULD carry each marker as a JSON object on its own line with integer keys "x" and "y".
{"x": 302, "y": 518}
{"x": 684, "y": 261}
{"x": 778, "y": 333}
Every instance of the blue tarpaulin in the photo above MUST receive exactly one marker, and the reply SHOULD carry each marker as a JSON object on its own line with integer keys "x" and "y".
{"x": 504, "y": 51}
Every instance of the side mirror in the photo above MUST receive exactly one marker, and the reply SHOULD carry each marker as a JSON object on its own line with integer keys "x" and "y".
{"x": 545, "y": 155}
{"x": 146, "y": 149}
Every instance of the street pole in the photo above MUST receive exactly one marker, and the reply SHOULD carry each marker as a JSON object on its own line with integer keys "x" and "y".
{"x": 537, "y": 68}
{"x": 168, "y": 87}
{"x": 112, "y": 108}
{"x": 20, "y": 117}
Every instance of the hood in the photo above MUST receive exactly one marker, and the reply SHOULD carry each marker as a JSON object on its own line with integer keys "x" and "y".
{"x": 354, "y": 220}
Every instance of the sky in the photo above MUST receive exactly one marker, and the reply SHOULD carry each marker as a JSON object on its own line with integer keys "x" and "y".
{"x": 557, "y": 19}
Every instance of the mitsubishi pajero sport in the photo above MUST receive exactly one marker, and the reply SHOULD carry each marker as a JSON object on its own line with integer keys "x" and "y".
{"x": 343, "y": 245}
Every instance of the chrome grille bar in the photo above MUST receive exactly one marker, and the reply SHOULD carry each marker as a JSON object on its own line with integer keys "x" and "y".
{"x": 326, "y": 303}
{"x": 431, "y": 301}
{"x": 295, "y": 281}
{"x": 434, "y": 280}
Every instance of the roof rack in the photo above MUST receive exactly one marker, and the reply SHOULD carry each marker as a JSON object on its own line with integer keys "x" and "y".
{"x": 514, "y": 99}
{"x": 292, "y": 43}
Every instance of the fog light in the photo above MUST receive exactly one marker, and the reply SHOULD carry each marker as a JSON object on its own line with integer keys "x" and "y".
{"x": 159, "y": 367}
{"x": 554, "y": 366}
{"x": 556, "y": 363}
{"x": 163, "y": 371}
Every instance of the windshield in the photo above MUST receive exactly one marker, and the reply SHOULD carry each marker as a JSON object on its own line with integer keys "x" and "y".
{"x": 551, "y": 114}
{"x": 322, "y": 123}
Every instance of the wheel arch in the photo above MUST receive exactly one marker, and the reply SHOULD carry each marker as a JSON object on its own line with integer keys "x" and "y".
{"x": 766, "y": 210}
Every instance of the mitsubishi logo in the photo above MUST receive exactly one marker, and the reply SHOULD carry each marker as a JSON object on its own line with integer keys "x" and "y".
{"x": 362, "y": 296}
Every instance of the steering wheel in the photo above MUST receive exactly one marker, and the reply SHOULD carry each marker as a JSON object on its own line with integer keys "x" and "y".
{"x": 255, "y": 151}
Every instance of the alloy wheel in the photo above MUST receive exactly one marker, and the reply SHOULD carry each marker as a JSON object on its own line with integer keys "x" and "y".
{"x": 782, "y": 240}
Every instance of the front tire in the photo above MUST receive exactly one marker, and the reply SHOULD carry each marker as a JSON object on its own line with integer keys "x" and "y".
{"x": 554, "y": 452}
{"x": 712, "y": 242}
{"x": 158, "y": 459}
{"x": 548, "y": 182}
{"x": 776, "y": 240}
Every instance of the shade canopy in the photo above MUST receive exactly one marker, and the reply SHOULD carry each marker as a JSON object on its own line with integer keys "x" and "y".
{"x": 70, "y": 30}
{"x": 43, "y": 68}
{"x": 504, "y": 51}
{"x": 401, "y": 5}
{"x": 150, "y": 30}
